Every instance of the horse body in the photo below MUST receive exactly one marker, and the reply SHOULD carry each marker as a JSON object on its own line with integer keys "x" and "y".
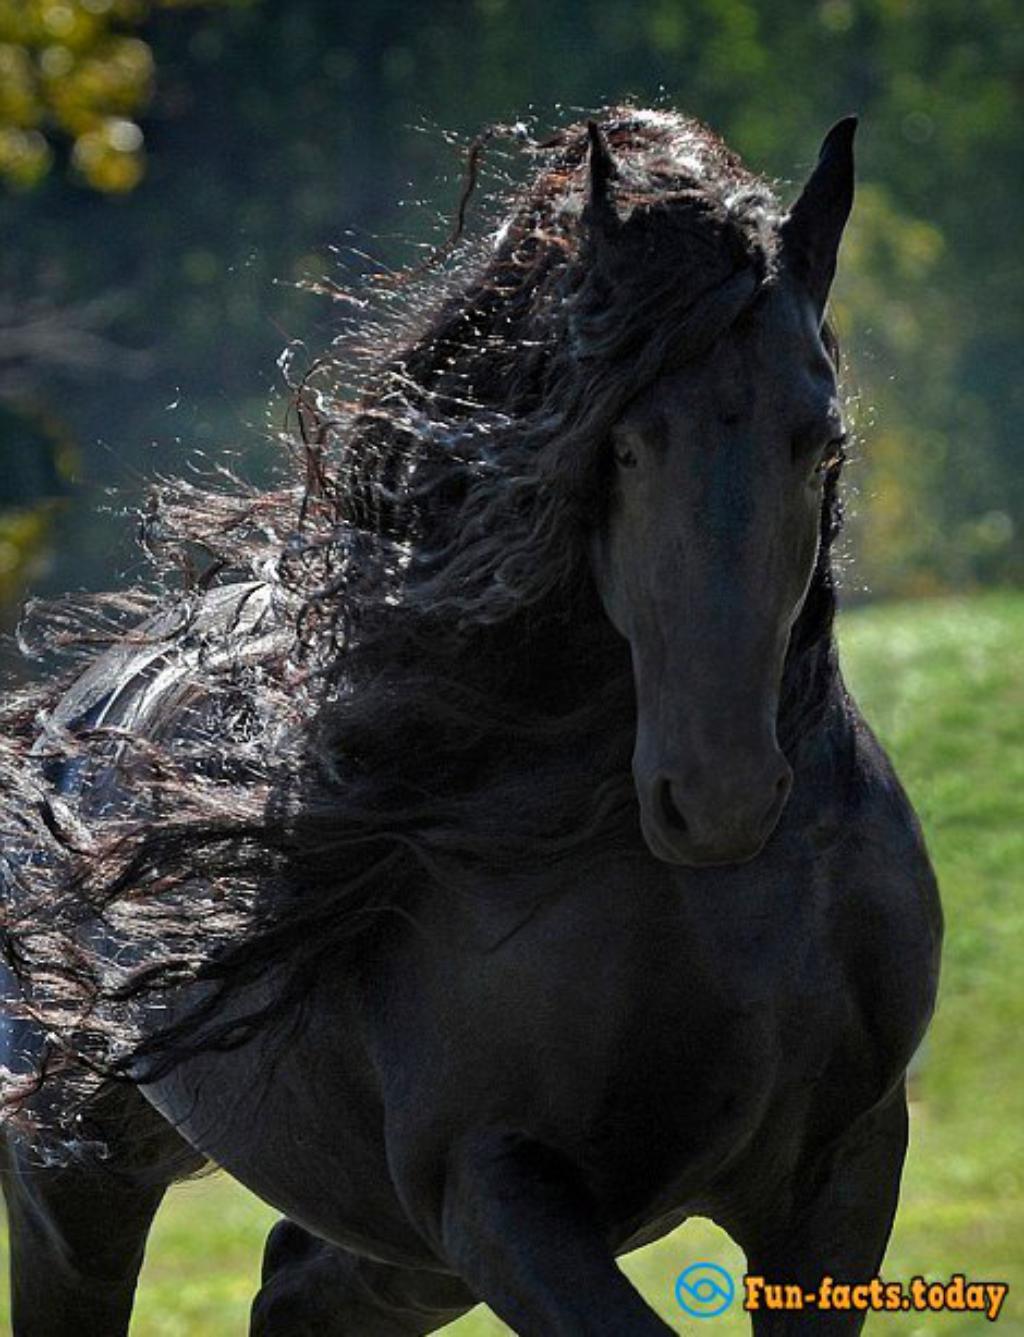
{"x": 552, "y": 1045}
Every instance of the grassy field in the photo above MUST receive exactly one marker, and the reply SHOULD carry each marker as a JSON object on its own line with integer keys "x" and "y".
{"x": 942, "y": 683}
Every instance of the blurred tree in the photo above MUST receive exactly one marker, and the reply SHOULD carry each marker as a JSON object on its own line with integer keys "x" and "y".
{"x": 75, "y": 69}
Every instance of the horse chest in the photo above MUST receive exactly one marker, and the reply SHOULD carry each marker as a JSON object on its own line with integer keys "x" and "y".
{"x": 645, "y": 1039}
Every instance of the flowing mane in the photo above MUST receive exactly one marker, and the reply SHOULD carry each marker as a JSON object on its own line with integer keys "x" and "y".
{"x": 394, "y": 670}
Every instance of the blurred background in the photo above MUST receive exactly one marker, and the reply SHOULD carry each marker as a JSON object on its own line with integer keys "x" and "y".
{"x": 177, "y": 179}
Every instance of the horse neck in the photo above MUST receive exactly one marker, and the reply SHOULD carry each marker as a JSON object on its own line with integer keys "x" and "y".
{"x": 811, "y": 683}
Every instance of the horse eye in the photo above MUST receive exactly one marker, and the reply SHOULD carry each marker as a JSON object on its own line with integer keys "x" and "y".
{"x": 625, "y": 458}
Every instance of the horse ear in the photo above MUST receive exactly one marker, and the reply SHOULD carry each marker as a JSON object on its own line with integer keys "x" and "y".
{"x": 811, "y": 234}
{"x": 600, "y": 215}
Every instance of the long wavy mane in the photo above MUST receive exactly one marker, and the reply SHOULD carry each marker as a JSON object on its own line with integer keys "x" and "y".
{"x": 393, "y": 672}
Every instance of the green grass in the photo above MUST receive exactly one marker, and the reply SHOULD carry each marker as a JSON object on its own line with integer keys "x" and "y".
{"x": 943, "y": 685}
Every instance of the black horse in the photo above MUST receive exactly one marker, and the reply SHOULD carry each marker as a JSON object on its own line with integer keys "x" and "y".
{"x": 477, "y": 853}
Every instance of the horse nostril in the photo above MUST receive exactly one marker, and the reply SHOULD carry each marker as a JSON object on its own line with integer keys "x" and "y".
{"x": 673, "y": 817}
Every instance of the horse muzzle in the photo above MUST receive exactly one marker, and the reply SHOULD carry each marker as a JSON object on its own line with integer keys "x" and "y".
{"x": 725, "y": 818}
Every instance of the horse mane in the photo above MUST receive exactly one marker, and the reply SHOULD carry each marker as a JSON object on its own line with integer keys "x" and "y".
{"x": 392, "y": 671}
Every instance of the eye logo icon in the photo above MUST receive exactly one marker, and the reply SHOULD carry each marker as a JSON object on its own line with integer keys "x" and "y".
{"x": 705, "y": 1290}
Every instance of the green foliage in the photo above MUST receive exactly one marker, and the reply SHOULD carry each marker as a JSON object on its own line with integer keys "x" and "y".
{"x": 35, "y": 476}
{"x": 75, "y": 69}
{"x": 24, "y": 538}
{"x": 938, "y": 681}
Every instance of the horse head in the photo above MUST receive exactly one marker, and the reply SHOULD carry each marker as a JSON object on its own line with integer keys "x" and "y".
{"x": 705, "y": 552}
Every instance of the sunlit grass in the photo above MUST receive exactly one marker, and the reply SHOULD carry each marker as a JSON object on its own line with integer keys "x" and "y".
{"x": 943, "y": 684}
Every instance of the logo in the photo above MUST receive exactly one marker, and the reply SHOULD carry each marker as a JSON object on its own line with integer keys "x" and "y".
{"x": 705, "y": 1290}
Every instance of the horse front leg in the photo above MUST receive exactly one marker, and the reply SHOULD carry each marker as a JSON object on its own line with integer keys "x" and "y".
{"x": 526, "y": 1238}
{"x": 76, "y": 1240}
{"x": 78, "y": 1230}
{"x": 838, "y": 1227}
